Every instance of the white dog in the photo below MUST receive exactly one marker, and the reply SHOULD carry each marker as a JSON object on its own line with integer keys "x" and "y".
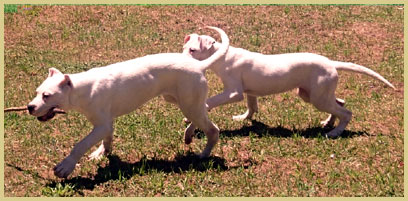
{"x": 104, "y": 93}
{"x": 256, "y": 74}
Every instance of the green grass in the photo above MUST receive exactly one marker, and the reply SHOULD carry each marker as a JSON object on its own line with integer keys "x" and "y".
{"x": 282, "y": 152}
{"x": 10, "y": 8}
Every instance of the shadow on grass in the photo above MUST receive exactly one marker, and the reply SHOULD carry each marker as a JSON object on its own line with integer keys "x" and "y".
{"x": 261, "y": 130}
{"x": 121, "y": 170}
{"x": 118, "y": 170}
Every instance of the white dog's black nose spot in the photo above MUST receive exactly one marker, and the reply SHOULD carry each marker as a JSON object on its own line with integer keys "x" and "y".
{"x": 31, "y": 108}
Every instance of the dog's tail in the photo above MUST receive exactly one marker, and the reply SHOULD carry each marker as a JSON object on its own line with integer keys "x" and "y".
{"x": 346, "y": 66}
{"x": 220, "y": 53}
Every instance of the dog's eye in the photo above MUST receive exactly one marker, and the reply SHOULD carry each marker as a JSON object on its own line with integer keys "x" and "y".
{"x": 45, "y": 96}
{"x": 192, "y": 50}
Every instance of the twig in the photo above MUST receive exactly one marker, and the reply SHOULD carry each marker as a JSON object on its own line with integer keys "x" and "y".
{"x": 12, "y": 109}
{"x": 23, "y": 108}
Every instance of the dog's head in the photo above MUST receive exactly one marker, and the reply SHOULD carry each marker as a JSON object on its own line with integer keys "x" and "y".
{"x": 198, "y": 46}
{"x": 52, "y": 93}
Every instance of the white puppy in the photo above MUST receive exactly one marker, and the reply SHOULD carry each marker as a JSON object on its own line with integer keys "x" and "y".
{"x": 256, "y": 74}
{"x": 104, "y": 93}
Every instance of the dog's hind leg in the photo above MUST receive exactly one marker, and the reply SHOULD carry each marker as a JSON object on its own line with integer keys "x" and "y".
{"x": 304, "y": 94}
{"x": 189, "y": 133}
{"x": 197, "y": 114}
{"x": 211, "y": 132}
{"x": 322, "y": 96}
{"x": 210, "y": 129}
{"x": 252, "y": 105}
{"x": 331, "y": 106}
{"x": 344, "y": 116}
{"x": 194, "y": 108}
{"x": 329, "y": 122}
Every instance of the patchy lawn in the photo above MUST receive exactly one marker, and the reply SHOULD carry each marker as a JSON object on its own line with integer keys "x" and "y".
{"x": 280, "y": 153}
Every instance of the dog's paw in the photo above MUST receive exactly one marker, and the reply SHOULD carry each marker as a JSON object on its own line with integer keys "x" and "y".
{"x": 97, "y": 154}
{"x": 188, "y": 139}
{"x": 242, "y": 117}
{"x": 203, "y": 155}
{"x": 333, "y": 134}
{"x": 189, "y": 134}
{"x": 239, "y": 117}
{"x": 329, "y": 122}
{"x": 325, "y": 124}
{"x": 63, "y": 169}
{"x": 186, "y": 120}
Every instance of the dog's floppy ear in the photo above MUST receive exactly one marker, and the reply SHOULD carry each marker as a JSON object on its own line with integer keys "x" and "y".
{"x": 186, "y": 39}
{"x": 66, "y": 81}
{"x": 53, "y": 71}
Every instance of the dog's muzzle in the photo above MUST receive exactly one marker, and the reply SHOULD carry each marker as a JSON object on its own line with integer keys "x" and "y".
{"x": 49, "y": 115}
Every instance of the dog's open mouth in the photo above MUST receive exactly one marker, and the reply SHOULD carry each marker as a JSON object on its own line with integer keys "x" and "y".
{"x": 50, "y": 114}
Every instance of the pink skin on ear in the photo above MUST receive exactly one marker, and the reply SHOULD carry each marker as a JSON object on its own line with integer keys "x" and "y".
{"x": 51, "y": 72}
{"x": 66, "y": 81}
{"x": 186, "y": 39}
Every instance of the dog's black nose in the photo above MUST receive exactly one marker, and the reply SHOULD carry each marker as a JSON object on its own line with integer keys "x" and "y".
{"x": 31, "y": 108}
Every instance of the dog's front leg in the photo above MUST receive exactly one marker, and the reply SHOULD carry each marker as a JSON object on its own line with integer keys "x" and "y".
{"x": 189, "y": 133}
{"x": 228, "y": 96}
{"x": 100, "y": 132}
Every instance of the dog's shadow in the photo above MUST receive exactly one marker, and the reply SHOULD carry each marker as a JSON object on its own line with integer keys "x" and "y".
{"x": 118, "y": 170}
{"x": 262, "y": 130}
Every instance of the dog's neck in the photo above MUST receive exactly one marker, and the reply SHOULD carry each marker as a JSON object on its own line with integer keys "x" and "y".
{"x": 80, "y": 87}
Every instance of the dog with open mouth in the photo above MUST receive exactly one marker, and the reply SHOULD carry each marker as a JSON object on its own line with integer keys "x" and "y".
{"x": 104, "y": 93}
{"x": 50, "y": 114}
{"x": 45, "y": 105}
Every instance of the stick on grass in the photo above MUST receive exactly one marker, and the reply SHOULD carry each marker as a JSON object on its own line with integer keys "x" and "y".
{"x": 23, "y": 108}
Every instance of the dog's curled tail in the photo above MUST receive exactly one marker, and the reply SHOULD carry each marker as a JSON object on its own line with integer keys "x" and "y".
{"x": 346, "y": 66}
{"x": 220, "y": 53}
